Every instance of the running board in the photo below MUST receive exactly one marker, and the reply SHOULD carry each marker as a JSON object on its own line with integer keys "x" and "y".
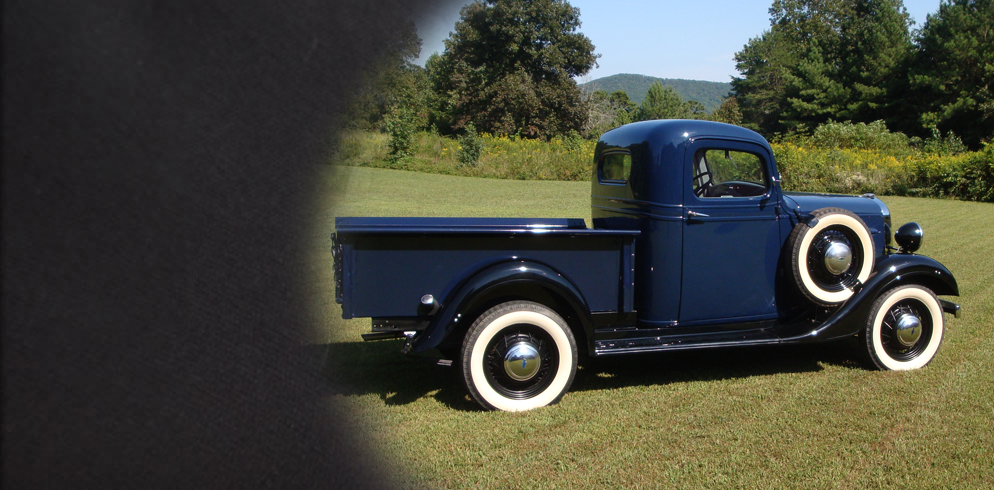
{"x": 382, "y": 336}
{"x": 950, "y": 307}
{"x": 658, "y": 344}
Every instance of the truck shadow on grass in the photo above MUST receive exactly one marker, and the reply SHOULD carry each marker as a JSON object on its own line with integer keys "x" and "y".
{"x": 379, "y": 368}
{"x": 663, "y": 368}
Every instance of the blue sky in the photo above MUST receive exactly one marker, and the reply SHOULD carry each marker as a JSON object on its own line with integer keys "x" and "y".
{"x": 693, "y": 40}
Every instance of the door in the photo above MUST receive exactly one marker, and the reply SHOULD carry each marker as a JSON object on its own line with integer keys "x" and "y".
{"x": 731, "y": 237}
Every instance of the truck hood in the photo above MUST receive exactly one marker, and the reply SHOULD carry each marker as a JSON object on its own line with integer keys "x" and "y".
{"x": 866, "y": 206}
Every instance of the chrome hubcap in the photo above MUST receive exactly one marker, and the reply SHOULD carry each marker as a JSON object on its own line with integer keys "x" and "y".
{"x": 522, "y": 361}
{"x": 838, "y": 258}
{"x": 909, "y": 329}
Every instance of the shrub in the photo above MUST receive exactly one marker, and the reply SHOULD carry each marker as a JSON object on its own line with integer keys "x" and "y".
{"x": 950, "y": 145}
{"x": 861, "y": 136}
{"x": 573, "y": 141}
{"x": 400, "y": 126}
{"x": 470, "y": 147}
{"x": 843, "y": 171}
{"x": 358, "y": 148}
{"x": 967, "y": 176}
{"x": 978, "y": 175}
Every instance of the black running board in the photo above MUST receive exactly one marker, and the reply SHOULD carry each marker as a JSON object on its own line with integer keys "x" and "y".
{"x": 950, "y": 307}
{"x": 658, "y": 344}
{"x": 382, "y": 336}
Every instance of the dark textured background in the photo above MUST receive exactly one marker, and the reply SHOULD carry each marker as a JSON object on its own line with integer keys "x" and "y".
{"x": 157, "y": 163}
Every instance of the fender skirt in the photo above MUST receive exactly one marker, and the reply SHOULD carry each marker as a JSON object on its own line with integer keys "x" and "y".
{"x": 894, "y": 270}
{"x": 448, "y": 318}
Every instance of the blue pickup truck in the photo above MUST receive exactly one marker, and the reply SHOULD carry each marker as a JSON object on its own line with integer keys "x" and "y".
{"x": 694, "y": 245}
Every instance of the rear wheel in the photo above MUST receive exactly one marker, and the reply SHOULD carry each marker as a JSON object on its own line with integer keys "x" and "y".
{"x": 904, "y": 329}
{"x": 517, "y": 356}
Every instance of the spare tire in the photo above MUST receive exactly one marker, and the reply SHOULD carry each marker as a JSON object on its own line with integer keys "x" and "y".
{"x": 830, "y": 254}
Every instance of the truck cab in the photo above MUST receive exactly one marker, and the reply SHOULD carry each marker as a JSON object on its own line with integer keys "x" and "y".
{"x": 706, "y": 200}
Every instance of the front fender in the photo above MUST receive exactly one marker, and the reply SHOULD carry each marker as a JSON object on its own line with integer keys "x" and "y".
{"x": 464, "y": 299}
{"x": 894, "y": 270}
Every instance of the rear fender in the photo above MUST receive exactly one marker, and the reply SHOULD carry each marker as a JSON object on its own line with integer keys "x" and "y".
{"x": 893, "y": 271}
{"x": 454, "y": 312}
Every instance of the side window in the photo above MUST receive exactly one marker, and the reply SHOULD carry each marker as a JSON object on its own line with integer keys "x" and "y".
{"x": 728, "y": 173}
{"x": 614, "y": 168}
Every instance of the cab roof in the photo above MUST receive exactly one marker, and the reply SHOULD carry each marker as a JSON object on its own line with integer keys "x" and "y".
{"x": 665, "y": 132}
{"x": 657, "y": 155}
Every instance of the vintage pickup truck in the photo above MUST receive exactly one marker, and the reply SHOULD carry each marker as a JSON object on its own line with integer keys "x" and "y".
{"x": 694, "y": 245}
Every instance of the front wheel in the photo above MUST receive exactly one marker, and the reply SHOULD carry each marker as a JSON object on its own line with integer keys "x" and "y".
{"x": 518, "y": 356}
{"x": 904, "y": 328}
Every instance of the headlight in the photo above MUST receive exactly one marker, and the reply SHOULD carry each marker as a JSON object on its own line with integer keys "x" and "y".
{"x": 909, "y": 237}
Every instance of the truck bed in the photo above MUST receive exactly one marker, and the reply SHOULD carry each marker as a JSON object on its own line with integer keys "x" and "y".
{"x": 384, "y": 266}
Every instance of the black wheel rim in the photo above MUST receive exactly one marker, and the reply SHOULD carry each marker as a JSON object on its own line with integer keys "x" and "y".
{"x": 497, "y": 349}
{"x": 824, "y": 279}
{"x": 888, "y": 330}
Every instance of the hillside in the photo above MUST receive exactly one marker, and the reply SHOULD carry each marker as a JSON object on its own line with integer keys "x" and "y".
{"x": 707, "y": 93}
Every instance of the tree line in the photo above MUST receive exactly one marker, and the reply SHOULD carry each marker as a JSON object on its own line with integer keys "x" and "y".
{"x": 862, "y": 61}
{"x": 509, "y": 68}
{"x": 606, "y": 111}
{"x": 708, "y": 93}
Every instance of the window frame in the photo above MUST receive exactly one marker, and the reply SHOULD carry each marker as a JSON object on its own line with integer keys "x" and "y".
{"x": 703, "y": 149}
{"x": 603, "y": 159}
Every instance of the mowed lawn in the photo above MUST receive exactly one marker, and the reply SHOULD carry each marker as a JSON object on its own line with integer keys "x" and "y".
{"x": 774, "y": 417}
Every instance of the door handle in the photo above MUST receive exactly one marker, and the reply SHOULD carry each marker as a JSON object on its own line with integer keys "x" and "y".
{"x": 693, "y": 214}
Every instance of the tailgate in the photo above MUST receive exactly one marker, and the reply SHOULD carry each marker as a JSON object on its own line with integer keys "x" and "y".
{"x": 336, "y": 253}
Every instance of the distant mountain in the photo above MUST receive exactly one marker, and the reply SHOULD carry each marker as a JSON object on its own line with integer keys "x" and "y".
{"x": 707, "y": 93}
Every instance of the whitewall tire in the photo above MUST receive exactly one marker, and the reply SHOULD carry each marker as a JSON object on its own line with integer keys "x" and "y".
{"x": 832, "y": 256}
{"x": 904, "y": 328}
{"x": 518, "y": 356}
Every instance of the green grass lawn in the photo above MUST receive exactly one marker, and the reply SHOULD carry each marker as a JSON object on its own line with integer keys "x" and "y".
{"x": 799, "y": 416}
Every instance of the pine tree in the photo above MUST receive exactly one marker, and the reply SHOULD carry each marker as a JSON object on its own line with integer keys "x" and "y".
{"x": 824, "y": 59}
{"x": 953, "y": 70}
{"x": 765, "y": 64}
{"x": 662, "y": 103}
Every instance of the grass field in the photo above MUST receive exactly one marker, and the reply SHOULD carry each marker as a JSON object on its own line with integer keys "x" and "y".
{"x": 796, "y": 417}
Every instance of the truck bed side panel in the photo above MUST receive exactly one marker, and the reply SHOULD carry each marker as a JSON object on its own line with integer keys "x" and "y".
{"x": 387, "y": 273}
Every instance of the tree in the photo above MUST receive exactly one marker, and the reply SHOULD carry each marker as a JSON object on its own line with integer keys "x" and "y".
{"x": 393, "y": 83}
{"x": 695, "y": 110}
{"x": 877, "y": 51}
{"x": 662, "y": 103}
{"x": 728, "y": 112}
{"x": 608, "y": 111}
{"x": 625, "y": 109}
{"x": 824, "y": 59}
{"x": 765, "y": 63}
{"x": 508, "y": 68}
{"x": 953, "y": 70}
{"x": 768, "y": 63}
{"x": 815, "y": 92}
{"x": 856, "y": 74}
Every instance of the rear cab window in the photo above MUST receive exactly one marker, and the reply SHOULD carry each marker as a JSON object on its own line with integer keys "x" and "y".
{"x": 614, "y": 167}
